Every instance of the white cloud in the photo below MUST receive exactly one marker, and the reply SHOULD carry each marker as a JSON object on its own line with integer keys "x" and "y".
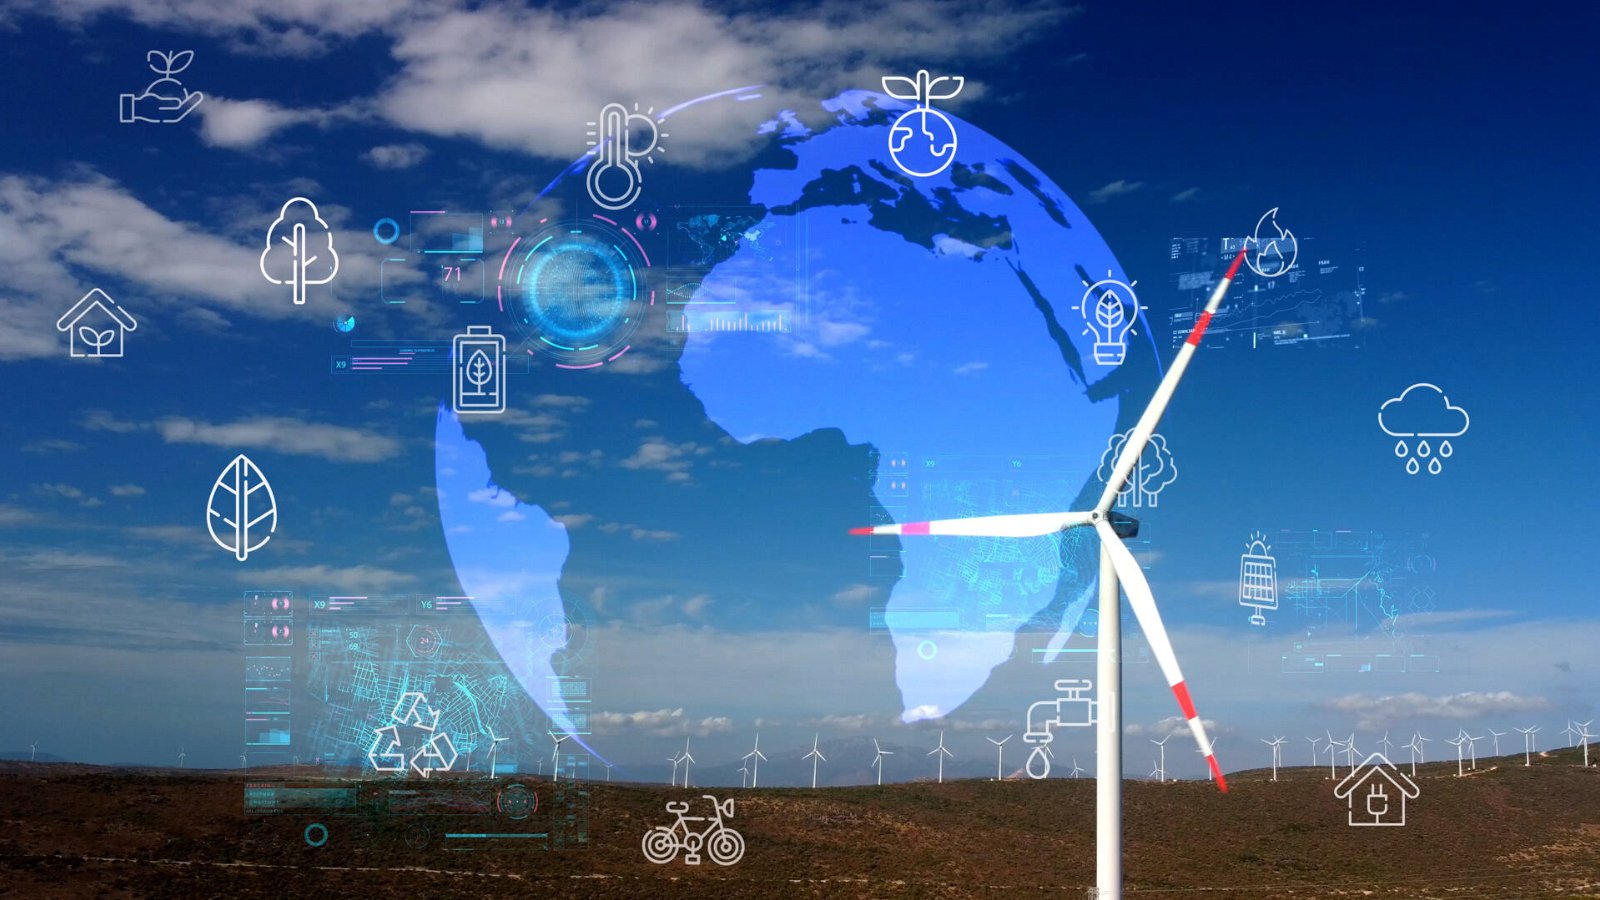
{"x": 396, "y": 156}
{"x": 1395, "y": 709}
{"x": 971, "y": 368}
{"x": 59, "y": 238}
{"x": 280, "y": 434}
{"x": 659, "y": 723}
{"x": 238, "y": 124}
{"x": 656, "y": 454}
{"x": 1168, "y": 727}
{"x": 127, "y": 490}
{"x": 1185, "y": 195}
{"x": 358, "y": 579}
{"x": 462, "y": 66}
{"x": 1116, "y": 188}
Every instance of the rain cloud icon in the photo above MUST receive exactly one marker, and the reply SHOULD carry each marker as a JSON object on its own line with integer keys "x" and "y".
{"x": 1422, "y": 411}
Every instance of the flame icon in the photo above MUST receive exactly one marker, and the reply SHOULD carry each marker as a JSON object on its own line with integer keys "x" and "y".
{"x": 1273, "y": 248}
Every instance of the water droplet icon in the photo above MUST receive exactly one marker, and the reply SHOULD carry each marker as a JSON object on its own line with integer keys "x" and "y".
{"x": 1423, "y": 449}
{"x": 1400, "y": 449}
{"x": 1412, "y": 468}
{"x": 1434, "y": 467}
{"x": 1445, "y": 449}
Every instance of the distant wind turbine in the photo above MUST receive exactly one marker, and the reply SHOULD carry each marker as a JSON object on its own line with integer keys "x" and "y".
{"x": 1458, "y": 742}
{"x": 555, "y": 757}
{"x": 1527, "y": 744}
{"x": 755, "y": 763}
{"x": 1209, "y": 775}
{"x": 1333, "y": 758}
{"x": 494, "y": 752}
{"x": 999, "y": 754}
{"x": 744, "y": 776}
{"x": 674, "y": 760}
{"x": 1570, "y": 732}
{"x": 33, "y": 751}
{"x": 1076, "y": 770}
{"x": 1497, "y": 735}
{"x": 878, "y": 759}
{"x": 1472, "y": 746}
{"x": 942, "y": 752}
{"x": 1386, "y": 745}
{"x": 815, "y": 756}
{"x": 242, "y": 757}
{"x": 1277, "y": 754}
{"x": 1584, "y": 735}
{"x": 1163, "y": 764}
{"x": 687, "y": 760}
{"x": 1313, "y": 741}
{"x": 181, "y": 755}
{"x": 1415, "y": 747}
{"x": 608, "y": 771}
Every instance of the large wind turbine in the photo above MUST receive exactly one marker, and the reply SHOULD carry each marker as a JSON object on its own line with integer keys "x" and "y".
{"x": 1116, "y": 565}
{"x": 877, "y": 761}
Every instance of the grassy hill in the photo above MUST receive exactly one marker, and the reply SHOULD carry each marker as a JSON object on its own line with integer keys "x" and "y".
{"x": 1504, "y": 831}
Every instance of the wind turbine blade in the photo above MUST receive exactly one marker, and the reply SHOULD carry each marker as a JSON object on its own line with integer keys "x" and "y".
{"x": 1025, "y": 525}
{"x": 1143, "y": 603}
{"x": 1134, "y": 446}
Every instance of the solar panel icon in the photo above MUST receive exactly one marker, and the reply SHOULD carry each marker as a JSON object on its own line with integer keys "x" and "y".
{"x": 1258, "y": 578}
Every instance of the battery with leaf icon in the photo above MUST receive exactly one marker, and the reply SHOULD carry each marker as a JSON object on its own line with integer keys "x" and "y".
{"x": 478, "y": 371}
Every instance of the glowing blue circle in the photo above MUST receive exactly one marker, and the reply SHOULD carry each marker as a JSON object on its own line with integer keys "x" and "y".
{"x": 321, "y": 836}
{"x": 927, "y": 649}
{"x": 577, "y": 292}
{"x": 392, "y": 224}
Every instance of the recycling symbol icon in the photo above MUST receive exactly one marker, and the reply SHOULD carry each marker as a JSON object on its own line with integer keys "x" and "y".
{"x": 412, "y": 739}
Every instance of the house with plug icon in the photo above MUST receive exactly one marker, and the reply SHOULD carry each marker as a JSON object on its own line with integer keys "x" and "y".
{"x": 1376, "y": 792}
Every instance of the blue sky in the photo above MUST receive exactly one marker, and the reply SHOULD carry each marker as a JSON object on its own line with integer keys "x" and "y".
{"x": 1455, "y": 151}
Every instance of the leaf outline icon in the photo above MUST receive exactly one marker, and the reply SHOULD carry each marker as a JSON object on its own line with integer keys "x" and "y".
{"x": 232, "y": 501}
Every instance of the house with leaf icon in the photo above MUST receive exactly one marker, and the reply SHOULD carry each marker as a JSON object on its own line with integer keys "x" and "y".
{"x": 95, "y": 325}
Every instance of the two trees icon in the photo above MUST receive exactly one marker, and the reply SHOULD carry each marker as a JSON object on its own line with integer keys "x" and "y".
{"x": 299, "y": 249}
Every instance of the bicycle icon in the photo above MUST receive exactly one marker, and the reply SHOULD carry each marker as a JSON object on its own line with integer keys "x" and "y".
{"x": 724, "y": 845}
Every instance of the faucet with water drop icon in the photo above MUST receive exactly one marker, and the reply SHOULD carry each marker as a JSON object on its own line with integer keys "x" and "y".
{"x": 1423, "y": 412}
{"x": 1047, "y": 715}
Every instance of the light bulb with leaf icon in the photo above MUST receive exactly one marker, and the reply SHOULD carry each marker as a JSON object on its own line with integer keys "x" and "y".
{"x": 1110, "y": 310}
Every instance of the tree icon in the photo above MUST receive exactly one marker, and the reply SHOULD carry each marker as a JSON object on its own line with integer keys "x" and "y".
{"x": 1154, "y": 471}
{"x": 296, "y": 240}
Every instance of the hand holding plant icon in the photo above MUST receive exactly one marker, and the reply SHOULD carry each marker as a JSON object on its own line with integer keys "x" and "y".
{"x": 165, "y": 100}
